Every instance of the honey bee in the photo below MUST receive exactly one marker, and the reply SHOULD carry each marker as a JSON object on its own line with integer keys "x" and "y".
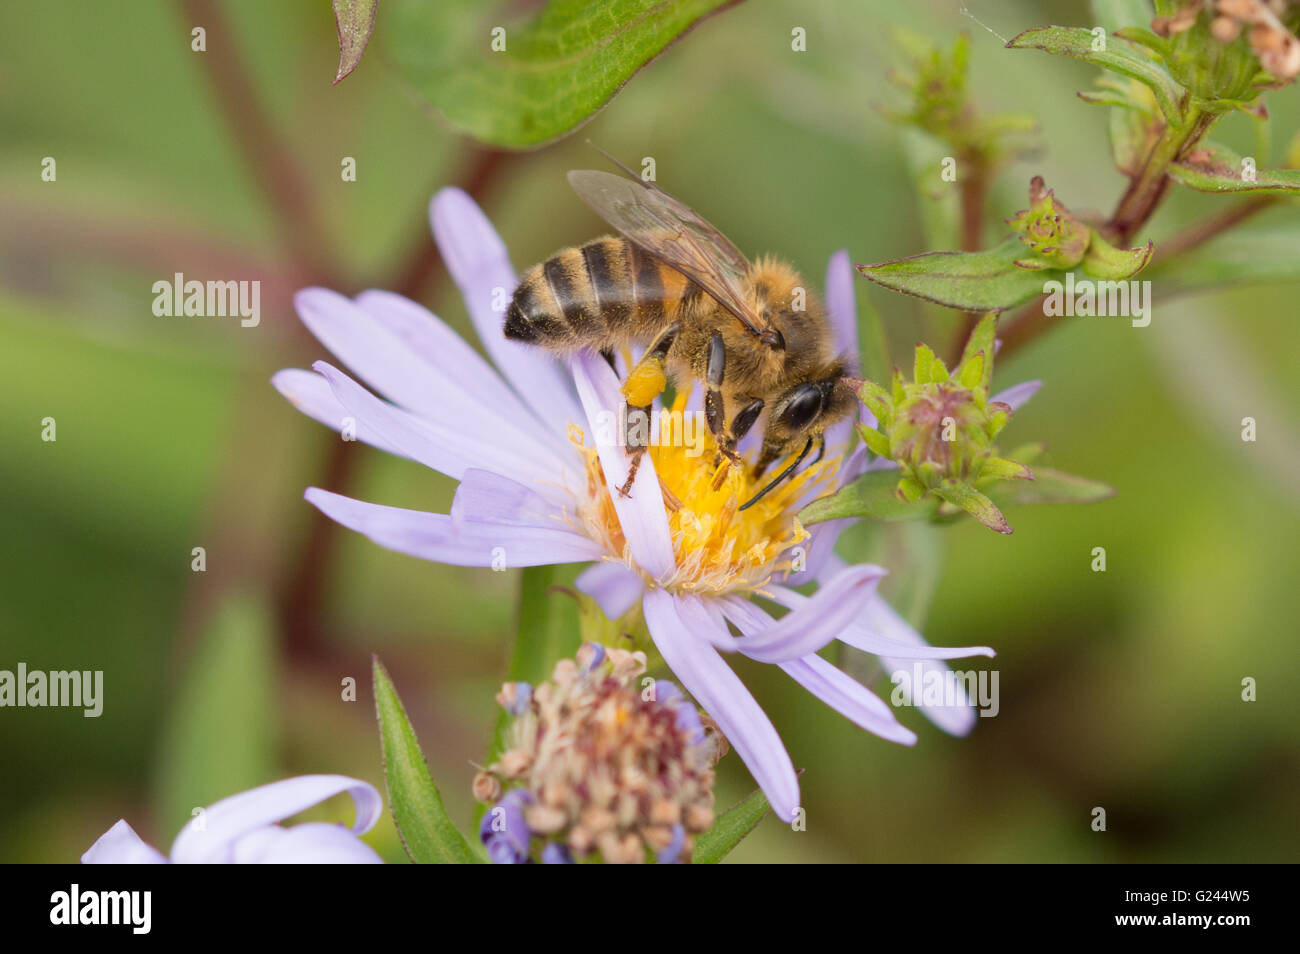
{"x": 753, "y": 333}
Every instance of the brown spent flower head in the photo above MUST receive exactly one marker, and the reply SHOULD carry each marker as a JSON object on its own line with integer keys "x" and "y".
{"x": 1269, "y": 26}
{"x": 606, "y": 762}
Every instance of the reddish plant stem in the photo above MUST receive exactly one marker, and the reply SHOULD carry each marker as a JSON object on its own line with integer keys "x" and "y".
{"x": 1022, "y": 328}
{"x": 1201, "y": 232}
{"x": 270, "y": 161}
{"x": 301, "y": 595}
{"x": 974, "y": 189}
{"x": 1145, "y": 192}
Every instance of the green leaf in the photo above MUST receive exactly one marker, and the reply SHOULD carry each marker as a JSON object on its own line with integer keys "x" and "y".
{"x": 427, "y": 834}
{"x": 1077, "y": 42}
{"x": 1051, "y": 487}
{"x": 555, "y": 71}
{"x": 356, "y": 21}
{"x": 729, "y": 830}
{"x": 1258, "y": 256}
{"x": 1216, "y": 168}
{"x": 971, "y": 281}
{"x": 974, "y": 503}
{"x": 221, "y": 736}
{"x": 871, "y": 495}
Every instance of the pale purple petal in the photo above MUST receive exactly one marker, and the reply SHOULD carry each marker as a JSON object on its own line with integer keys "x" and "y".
{"x": 310, "y": 843}
{"x": 880, "y": 618}
{"x": 447, "y": 450}
{"x": 446, "y": 394}
{"x": 120, "y": 845}
{"x": 1018, "y": 395}
{"x": 706, "y": 620}
{"x": 442, "y": 349}
{"x": 210, "y": 837}
{"x": 641, "y": 514}
{"x": 311, "y": 394}
{"x": 847, "y": 696}
{"x": 815, "y": 623}
{"x": 477, "y": 261}
{"x": 701, "y": 670}
{"x": 842, "y": 309}
{"x": 436, "y": 537}
{"x": 861, "y": 634}
{"x": 822, "y": 537}
{"x": 488, "y": 497}
{"x": 614, "y": 587}
{"x": 841, "y": 304}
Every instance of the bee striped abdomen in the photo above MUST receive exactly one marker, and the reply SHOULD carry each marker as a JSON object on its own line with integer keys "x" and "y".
{"x": 605, "y": 292}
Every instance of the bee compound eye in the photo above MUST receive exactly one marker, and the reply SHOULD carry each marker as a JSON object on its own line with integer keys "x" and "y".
{"x": 803, "y": 407}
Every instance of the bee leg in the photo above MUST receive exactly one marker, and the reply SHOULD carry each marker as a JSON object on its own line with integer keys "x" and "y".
{"x": 714, "y": 406}
{"x": 744, "y": 420}
{"x": 608, "y": 355}
{"x": 647, "y": 380}
{"x": 636, "y": 438}
{"x": 740, "y": 426}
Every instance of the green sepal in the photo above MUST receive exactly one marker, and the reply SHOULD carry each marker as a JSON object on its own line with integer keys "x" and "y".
{"x": 876, "y": 442}
{"x": 877, "y": 400}
{"x": 873, "y": 495}
{"x": 974, "y": 503}
{"x": 1112, "y": 263}
{"x": 909, "y": 490}
{"x": 1000, "y": 468}
{"x": 929, "y": 368}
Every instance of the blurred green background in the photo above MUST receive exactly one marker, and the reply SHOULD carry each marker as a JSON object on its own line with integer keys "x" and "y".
{"x": 1119, "y": 689}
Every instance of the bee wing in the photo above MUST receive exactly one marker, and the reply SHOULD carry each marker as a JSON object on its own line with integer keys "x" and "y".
{"x": 673, "y": 232}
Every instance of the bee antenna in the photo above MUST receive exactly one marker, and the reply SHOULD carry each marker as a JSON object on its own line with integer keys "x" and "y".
{"x": 615, "y": 161}
{"x": 779, "y": 477}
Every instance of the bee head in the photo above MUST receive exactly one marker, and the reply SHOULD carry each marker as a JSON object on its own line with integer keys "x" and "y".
{"x": 803, "y": 413}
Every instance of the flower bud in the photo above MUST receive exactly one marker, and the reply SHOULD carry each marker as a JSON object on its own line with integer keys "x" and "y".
{"x": 940, "y": 429}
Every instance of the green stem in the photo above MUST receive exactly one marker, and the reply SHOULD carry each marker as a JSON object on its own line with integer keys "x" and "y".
{"x": 1148, "y": 189}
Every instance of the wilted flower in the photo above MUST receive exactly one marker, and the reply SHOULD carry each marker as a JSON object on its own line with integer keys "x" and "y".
{"x": 1215, "y": 47}
{"x": 244, "y": 829}
{"x": 597, "y": 764}
{"x": 535, "y": 488}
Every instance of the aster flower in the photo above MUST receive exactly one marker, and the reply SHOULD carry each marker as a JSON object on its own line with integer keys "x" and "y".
{"x": 244, "y": 829}
{"x": 535, "y": 487}
{"x": 595, "y": 765}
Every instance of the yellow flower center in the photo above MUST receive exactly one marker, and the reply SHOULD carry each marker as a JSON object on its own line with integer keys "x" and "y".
{"x": 718, "y": 547}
